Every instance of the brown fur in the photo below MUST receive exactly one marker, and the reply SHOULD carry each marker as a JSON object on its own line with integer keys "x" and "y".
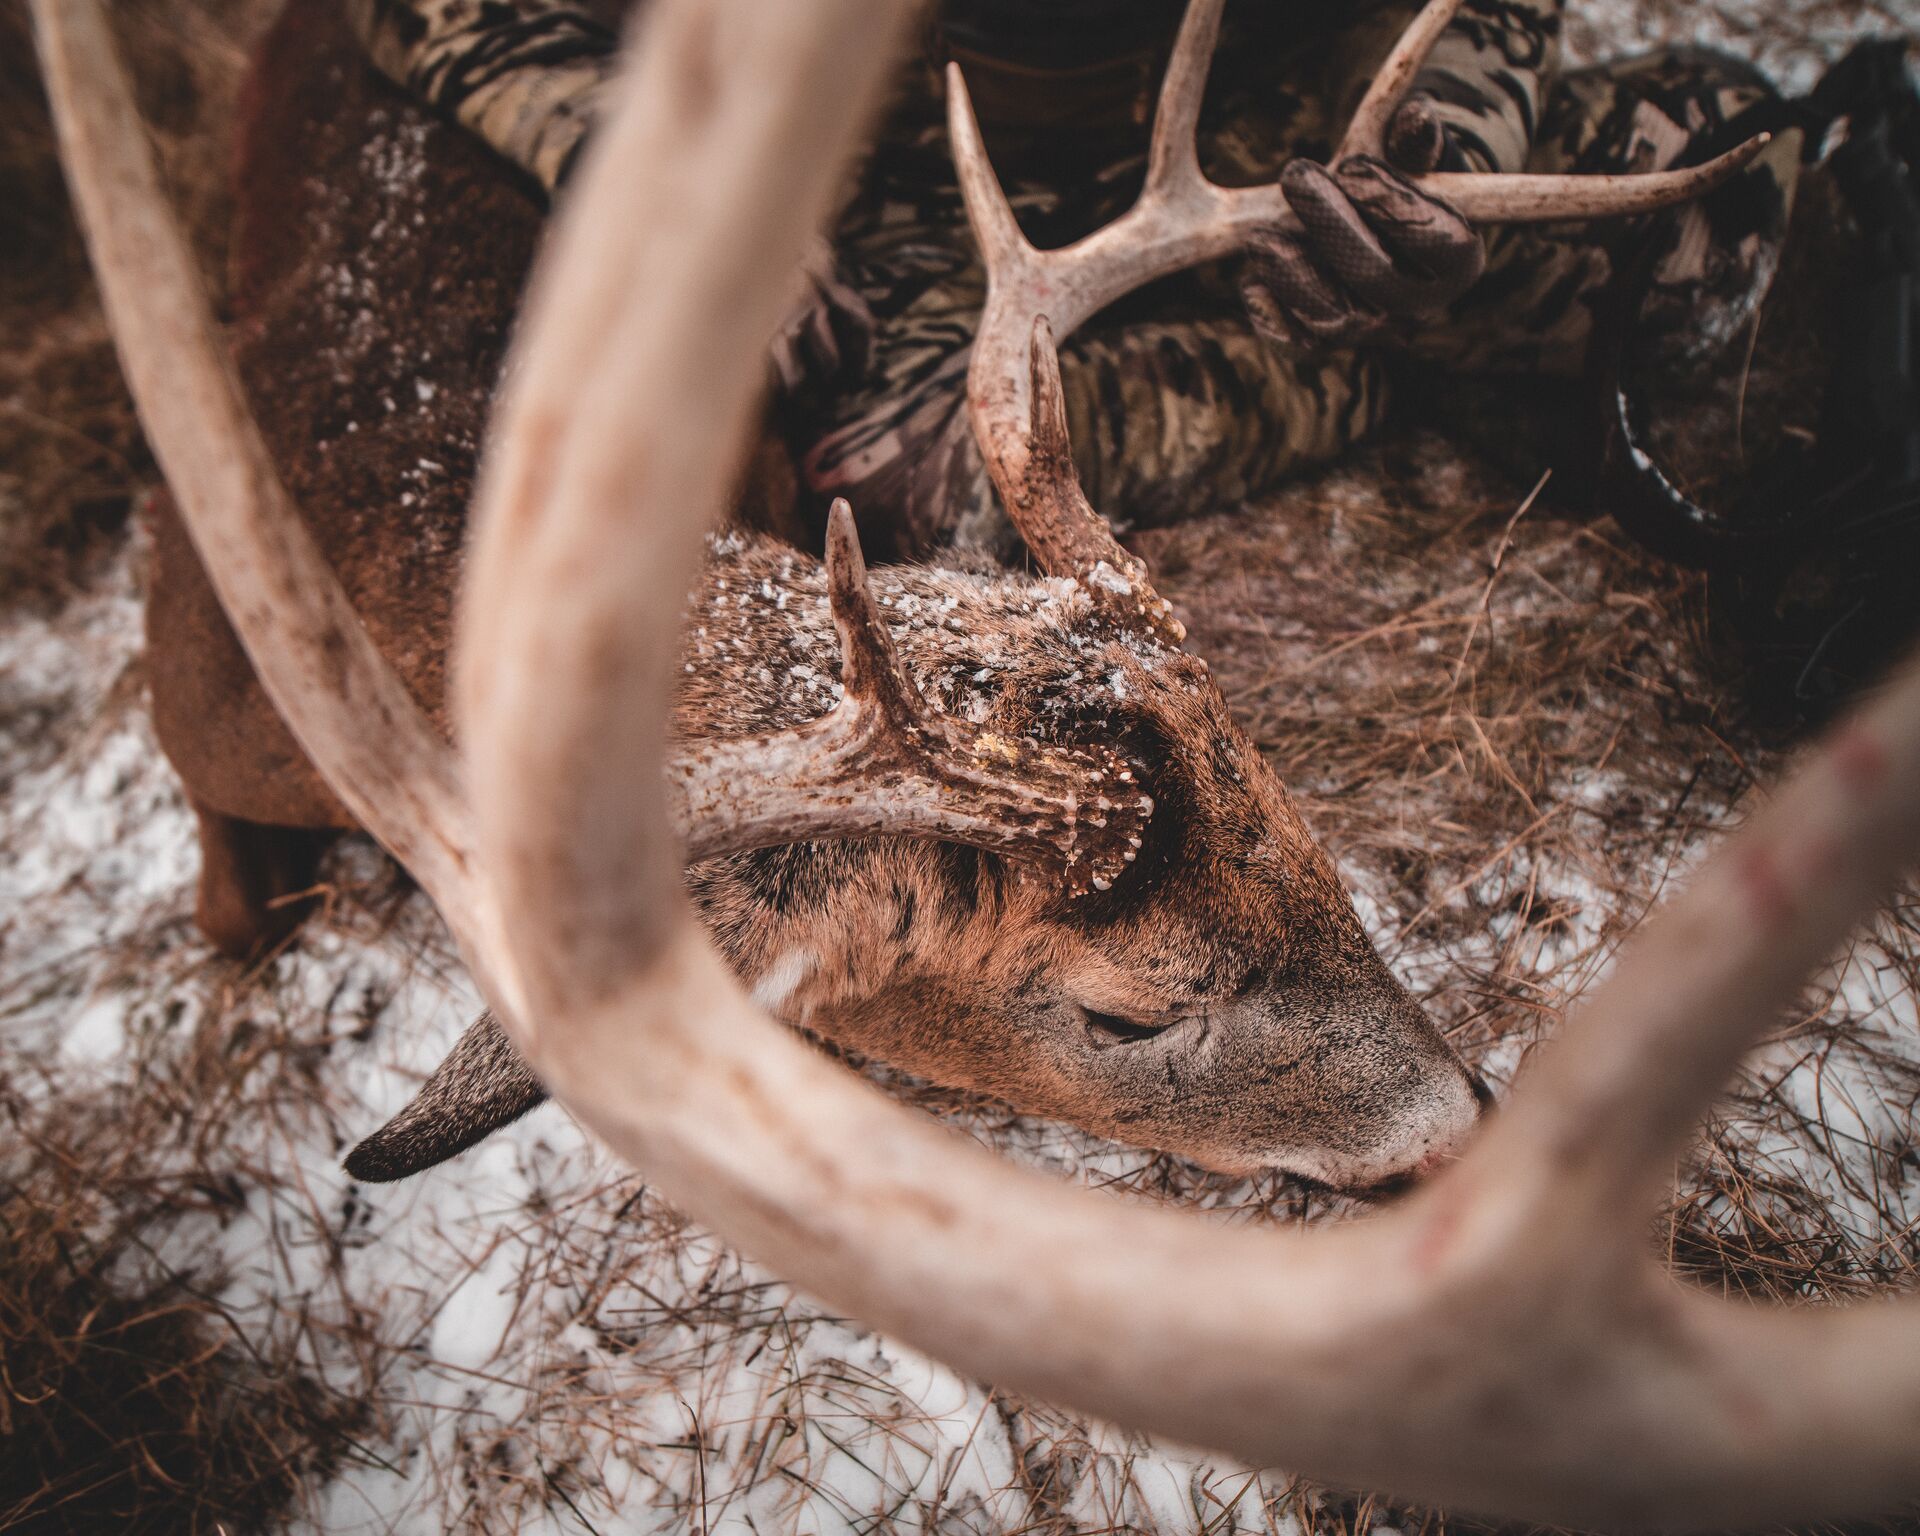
{"x": 1221, "y": 1000}
{"x": 369, "y": 348}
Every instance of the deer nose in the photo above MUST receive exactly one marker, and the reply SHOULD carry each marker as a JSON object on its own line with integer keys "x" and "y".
{"x": 1439, "y": 1157}
{"x": 1433, "y": 1162}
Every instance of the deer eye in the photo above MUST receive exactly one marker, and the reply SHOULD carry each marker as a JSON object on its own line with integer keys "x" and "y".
{"x": 1110, "y": 1029}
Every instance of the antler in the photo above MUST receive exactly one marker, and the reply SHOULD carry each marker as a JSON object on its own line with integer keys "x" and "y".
{"x": 1501, "y": 1340}
{"x": 885, "y": 761}
{"x": 1036, "y": 298}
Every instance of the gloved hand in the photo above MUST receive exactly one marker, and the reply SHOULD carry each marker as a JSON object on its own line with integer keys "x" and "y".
{"x": 1375, "y": 249}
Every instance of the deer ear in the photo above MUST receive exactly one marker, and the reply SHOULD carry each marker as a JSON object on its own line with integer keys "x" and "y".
{"x": 481, "y": 1086}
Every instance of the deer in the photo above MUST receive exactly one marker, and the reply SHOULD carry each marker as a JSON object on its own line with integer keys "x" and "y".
{"x": 1220, "y": 1001}
{"x": 1207, "y": 989}
{"x": 1185, "y": 973}
{"x": 1499, "y": 1340}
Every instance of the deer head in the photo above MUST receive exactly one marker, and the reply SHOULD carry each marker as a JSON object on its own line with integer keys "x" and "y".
{"x": 1501, "y": 1340}
{"x": 1218, "y": 998}
{"x": 1200, "y": 983}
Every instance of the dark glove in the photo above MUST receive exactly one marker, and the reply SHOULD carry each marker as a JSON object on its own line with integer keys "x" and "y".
{"x": 827, "y": 334}
{"x": 1374, "y": 249}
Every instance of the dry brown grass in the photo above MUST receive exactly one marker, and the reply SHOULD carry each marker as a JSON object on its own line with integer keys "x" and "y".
{"x": 130, "y": 1400}
{"x": 1516, "y": 731}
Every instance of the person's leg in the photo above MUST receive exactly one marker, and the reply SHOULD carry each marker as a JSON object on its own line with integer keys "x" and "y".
{"x": 1532, "y": 311}
{"x": 525, "y": 75}
{"x": 1167, "y": 418}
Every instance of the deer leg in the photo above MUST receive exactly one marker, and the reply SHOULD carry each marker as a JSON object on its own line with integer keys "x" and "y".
{"x": 251, "y": 877}
{"x": 481, "y": 1086}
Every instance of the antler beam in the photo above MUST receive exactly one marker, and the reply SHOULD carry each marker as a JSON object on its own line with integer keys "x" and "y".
{"x": 1480, "y": 1344}
{"x": 1180, "y": 220}
{"x": 1501, "y": 1340}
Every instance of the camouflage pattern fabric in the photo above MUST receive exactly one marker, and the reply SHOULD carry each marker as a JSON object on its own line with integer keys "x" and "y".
{"x": 525, "y": 75}
{"x": 1174, "y": 403}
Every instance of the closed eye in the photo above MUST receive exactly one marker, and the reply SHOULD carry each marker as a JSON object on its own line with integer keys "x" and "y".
{"x": 1110, "y": 1029}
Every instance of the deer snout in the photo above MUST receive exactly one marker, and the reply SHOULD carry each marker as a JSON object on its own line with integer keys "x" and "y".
{"x": 1347, "y": 1084}
{"x": 1439, "y": 1157}
{"x": 1384, "y": 1098}
{"x": 1436, "y": 1128}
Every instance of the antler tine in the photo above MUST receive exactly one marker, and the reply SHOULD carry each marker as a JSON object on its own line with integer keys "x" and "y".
{"x": 870, "y": 667}
{"x": 1521, "y": 198}
{"x": 1173, "y": 157}
{"x": 1367, "y": 130}
{"x": 1002, "y": 246}
{"x": 1047, "y": 403}
{"x": 1060, "y": 526}
{"x": 1535, "y": 199}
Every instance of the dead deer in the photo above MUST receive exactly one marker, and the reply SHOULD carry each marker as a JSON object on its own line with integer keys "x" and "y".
{"x": 1210, "y": 991}
{"x": 1221, "y": 1001}
{"x": 1501, "y": 1340}
{"x": 1194, "y": 978}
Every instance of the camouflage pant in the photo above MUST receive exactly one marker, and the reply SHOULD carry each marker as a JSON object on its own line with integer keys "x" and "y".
{"x": 1176, "y": 405}
{"x": 1173, "y": 402}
